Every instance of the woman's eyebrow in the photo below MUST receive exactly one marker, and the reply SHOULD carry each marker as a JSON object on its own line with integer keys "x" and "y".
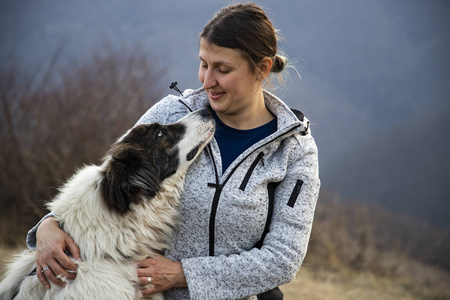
{"x": 219, "y": 63}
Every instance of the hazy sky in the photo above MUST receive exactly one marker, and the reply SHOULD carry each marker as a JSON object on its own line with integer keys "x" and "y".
{"x": 375, "y": 77}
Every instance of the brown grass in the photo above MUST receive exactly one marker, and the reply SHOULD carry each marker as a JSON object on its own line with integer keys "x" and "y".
{"x": 323, "y": 284}
{"x": 418, "y": 282}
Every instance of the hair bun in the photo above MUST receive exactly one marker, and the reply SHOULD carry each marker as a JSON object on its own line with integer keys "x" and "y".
{"x": 279, "y": 63}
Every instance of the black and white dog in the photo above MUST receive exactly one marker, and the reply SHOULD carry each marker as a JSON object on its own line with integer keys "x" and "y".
{"x": 120, "y": 212}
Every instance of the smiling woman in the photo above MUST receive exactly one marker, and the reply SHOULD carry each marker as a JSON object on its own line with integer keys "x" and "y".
{"x": 248, "y": 202}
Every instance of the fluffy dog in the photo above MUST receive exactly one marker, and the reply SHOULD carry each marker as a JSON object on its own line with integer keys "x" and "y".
{"x": 120, "y": 212}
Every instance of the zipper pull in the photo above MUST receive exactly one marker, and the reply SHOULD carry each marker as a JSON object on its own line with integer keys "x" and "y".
{"x": 261, "y": 155}
{"x": 173, "y": 86}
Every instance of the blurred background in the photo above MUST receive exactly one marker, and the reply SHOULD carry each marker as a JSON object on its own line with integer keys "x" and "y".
{"x": 372, "y": 76}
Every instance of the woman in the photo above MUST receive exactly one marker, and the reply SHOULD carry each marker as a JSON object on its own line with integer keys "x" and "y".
{"x": 248, "y": 204}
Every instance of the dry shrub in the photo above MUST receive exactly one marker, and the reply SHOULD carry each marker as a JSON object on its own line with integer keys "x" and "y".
{"x": 358, "y": 239}
{"x": 342, "y": 235}
{"x": 53, "y": 120}
{"x": 365, "y": 237}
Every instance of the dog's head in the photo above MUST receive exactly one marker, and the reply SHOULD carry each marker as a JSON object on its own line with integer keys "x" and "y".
{"x": 146, "y": 155}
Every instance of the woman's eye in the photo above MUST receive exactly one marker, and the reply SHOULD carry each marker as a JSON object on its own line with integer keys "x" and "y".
{"x": 223, "y": 71}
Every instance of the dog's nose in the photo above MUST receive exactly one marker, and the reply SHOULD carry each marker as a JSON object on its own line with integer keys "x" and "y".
{"x": 205, "y": 112}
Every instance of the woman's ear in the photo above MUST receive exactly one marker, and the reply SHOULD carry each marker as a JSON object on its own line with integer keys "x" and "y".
{"x": 264, "y": 67}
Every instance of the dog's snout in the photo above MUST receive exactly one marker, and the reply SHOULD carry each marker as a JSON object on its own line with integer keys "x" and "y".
{"x": 205, "y": 112}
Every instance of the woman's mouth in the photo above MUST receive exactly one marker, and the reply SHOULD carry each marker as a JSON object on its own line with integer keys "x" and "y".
{"x": 215, "y": 95}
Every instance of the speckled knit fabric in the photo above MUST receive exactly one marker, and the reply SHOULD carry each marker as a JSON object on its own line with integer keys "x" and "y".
{"x": 238, "y": 270}
{"x": 237, "y": 207}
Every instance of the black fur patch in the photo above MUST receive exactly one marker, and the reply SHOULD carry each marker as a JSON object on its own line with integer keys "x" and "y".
{"x": 139, "y": 163}
{"x": 192, "y": 153}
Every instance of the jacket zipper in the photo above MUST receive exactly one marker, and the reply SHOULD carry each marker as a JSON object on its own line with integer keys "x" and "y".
{"x": 219, "y": 187}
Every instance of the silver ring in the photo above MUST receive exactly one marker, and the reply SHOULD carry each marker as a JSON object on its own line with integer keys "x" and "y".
{"x": 149, "y": 280}
{"x": 45, "y": 269}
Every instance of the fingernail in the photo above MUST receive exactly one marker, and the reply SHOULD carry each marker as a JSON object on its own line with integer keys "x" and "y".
{"x": 47, "y": 286}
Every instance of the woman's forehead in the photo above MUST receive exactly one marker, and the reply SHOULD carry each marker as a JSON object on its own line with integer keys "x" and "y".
{"x": 219, "y": 55}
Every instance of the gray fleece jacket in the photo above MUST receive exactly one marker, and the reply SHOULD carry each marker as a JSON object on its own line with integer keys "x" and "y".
{"x": 223, "y": 216}
{"x": 229, "y": 245}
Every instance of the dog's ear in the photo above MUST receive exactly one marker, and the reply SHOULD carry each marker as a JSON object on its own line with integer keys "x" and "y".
{"x": 128, "y": 178}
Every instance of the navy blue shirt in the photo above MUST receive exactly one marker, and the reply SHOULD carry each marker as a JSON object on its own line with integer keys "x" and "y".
{"x": 232, "y": 142}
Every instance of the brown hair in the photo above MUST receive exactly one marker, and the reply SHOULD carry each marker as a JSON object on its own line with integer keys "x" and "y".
{"x": 245, "y": 27}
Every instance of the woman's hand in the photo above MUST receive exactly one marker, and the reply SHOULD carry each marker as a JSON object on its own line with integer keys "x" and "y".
{"x": 51, "y": 261}
{"x": 163, "y": 273}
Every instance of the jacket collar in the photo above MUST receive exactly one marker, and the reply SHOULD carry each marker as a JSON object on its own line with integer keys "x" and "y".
{"x": 287, "y": 119}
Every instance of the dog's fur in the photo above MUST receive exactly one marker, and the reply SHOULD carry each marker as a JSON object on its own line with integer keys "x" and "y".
{"x": 120, "y": 212}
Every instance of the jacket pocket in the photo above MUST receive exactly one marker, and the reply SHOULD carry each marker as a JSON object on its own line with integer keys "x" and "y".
{"x": 295, "y": 192}
{"x": 250, "y": 171}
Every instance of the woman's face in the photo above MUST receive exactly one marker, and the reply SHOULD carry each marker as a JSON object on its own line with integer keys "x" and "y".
{"x": 226, "y": 76}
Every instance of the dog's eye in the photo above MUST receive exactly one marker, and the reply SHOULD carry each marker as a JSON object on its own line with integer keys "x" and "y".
{"x": 160, "y": 133}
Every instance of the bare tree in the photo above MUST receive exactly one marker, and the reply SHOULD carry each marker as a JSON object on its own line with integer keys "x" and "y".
{"x": 54, "y": 120}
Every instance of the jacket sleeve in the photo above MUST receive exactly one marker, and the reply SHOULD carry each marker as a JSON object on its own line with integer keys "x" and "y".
{"x": 31, "y": 236}
{"x": 284, "y": 248}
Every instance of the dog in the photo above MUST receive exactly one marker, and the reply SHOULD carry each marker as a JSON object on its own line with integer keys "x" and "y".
{"x": 119, "y": 212}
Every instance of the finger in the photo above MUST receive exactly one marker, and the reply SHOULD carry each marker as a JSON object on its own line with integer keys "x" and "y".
{"x": 46, "y": 276}
{"x": 143, "y": 280}
{"x": 150, "y": 290}
{"x": 143, "y": 272}
{"x": 66, "y": 264}
{"x": 55, "y": 252}
{"x": 52, "y": 274}
{"x": 145, "y": 263}
{"x": 73, "y": 249}
{"x": 42, "y": 279}
{"x": 60, "y": 272}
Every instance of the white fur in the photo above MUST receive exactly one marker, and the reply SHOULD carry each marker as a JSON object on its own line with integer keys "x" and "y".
{"x": 111, "y": 243}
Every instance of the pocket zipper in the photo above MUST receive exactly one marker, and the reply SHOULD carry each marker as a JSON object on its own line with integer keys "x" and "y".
{"x": 250, "y": 170}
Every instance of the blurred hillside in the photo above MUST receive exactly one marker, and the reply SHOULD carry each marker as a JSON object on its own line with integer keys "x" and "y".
{"x": 56, "y": 118}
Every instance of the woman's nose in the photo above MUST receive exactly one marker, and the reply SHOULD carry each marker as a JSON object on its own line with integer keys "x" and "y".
{"x": 209, "y": 81}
